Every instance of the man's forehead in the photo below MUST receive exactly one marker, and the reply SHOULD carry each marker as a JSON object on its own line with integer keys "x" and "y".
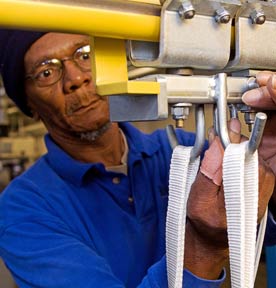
{"x": 53, "y": 45}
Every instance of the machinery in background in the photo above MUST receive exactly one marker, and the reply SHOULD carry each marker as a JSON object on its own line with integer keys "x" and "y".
{"x": 21, "y": 140}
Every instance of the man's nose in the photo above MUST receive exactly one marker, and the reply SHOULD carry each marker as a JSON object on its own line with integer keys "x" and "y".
{"x": 74, "y": 77}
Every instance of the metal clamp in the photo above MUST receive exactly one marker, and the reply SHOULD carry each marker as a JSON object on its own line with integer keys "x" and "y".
{"x": 259, "y": 124}
{"x": 200, "y": 132}
{"x": 209, "y": 48}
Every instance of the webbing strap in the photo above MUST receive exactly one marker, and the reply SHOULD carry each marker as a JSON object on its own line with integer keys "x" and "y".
{"x": 182, "y": 175}
{"x": 240, "y": 179}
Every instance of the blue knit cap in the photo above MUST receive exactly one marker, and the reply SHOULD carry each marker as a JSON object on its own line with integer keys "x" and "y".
{"x": 13, "y": 46}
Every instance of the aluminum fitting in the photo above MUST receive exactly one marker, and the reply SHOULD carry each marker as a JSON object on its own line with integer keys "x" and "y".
{"x": 258, "y": 17}
{"x": 222, "y": 16}
{"x": 186, "y": 10}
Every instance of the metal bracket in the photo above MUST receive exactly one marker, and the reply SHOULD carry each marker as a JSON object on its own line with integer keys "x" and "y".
{"x": 202, "y": 42}
{"x": 255, "y": 27}
{"x": 173, "y": 89}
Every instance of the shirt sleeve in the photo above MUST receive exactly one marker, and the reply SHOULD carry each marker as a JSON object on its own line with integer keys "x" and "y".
{"x": 157, "y": 276}
{"x": 47, "y": 255}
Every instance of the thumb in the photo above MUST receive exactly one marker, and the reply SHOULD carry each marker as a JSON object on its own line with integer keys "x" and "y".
{"x": 212, "y": 162}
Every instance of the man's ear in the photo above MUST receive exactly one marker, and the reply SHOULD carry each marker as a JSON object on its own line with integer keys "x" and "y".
{"x": 35, "y": 115}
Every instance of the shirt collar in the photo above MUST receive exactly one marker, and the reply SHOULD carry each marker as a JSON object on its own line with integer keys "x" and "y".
{"x": 138, "y": 142}
{"x": 73, "y": 170}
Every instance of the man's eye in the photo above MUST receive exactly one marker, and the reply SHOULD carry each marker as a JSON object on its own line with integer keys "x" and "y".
{"x": 45, "y": 73}
{"x": 85, "y": 56}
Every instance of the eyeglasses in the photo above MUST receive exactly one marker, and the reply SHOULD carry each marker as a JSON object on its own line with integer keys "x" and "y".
{"x": 50, "y": 71}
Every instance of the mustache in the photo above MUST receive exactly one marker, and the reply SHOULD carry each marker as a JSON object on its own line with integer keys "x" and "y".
{"x": 76, "y": 101}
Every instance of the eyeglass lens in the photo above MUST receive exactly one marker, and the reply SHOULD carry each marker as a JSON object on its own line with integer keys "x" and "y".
{"x": 50, "y": 71}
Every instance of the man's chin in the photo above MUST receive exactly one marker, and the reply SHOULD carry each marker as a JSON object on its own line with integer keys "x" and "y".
{"x": 92, "y": 136}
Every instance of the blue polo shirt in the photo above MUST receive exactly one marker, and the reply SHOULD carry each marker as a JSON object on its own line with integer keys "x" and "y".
{"x": 66, "y": 224}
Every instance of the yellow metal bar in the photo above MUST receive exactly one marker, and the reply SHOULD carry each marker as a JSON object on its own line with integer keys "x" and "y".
{"x": 128, "y": 87}
{"x": 109, "y": 63}
{"x": 115, "y": 19}
{"x": 155, "y": 2}
{"x": 109, "y": 68}
{"x": 96, "y": 21}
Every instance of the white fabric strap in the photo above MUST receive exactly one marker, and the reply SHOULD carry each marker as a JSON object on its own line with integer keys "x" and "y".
{"x": 240, "y": 179}
{"x": 182, "y": 175}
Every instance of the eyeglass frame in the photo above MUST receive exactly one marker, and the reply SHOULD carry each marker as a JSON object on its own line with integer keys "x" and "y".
{"x": 34, "y": 78}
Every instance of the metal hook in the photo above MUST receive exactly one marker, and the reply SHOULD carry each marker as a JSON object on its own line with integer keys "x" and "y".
{"x": 233, "y": 111}
{"x": 172, "y": 136}
{"x": 221, "y": 97}
{"x": 259, "y": 124}
{"x": 200, "y": 132}
{"x": 257, "y": 133}
{"x": 215, "y": 119}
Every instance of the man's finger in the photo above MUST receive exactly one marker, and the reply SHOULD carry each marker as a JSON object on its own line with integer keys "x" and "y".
{"x": 271, "y": 86}
{"x": 259, "y": 98}
{"x": 212, "y": 161}
{"x": 263, "y": 77}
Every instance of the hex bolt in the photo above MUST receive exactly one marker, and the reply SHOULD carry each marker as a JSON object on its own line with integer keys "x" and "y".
{"x": 180, "y": 112}
{"x": 258, "y": 17}
{"x": 249, "y": 115}
{"x": 222, "y": 16}
{"x": 186, "y": 10}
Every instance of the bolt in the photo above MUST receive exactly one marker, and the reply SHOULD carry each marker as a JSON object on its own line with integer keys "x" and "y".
{"x": 186, "y": 10}
{"x": 249, "y": 115}
{"x": 258, "y": 17}
{"x": 222, "y": 16}
{"x": 249, "y": 119}
{"x": 180, "y": 112}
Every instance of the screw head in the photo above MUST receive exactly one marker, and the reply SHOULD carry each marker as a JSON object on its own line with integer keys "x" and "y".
{"x": 222, "y": 16}
{"x": 258, "y": 17}
{"x": 224, "y": 19}
{"x": 186, "y": 11}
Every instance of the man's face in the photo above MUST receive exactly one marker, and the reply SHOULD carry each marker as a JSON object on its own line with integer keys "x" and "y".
{"x": 71, "y": 104}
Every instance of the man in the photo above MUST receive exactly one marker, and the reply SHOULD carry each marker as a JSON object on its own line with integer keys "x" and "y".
{"x": 91, "y": 212}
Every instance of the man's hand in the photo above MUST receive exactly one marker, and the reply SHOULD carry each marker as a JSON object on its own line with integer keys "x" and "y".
{"x": 264, "y": 98}
{"x": 206, "y": 249}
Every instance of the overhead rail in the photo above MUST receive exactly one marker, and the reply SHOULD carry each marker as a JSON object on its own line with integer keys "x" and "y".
{"x": 102, "y": 18}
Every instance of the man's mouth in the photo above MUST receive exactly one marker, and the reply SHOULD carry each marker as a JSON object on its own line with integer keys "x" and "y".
{"x": 78, "y": 108}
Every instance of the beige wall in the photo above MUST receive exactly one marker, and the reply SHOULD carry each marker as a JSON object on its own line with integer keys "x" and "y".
{"x": 6, "y": 280}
